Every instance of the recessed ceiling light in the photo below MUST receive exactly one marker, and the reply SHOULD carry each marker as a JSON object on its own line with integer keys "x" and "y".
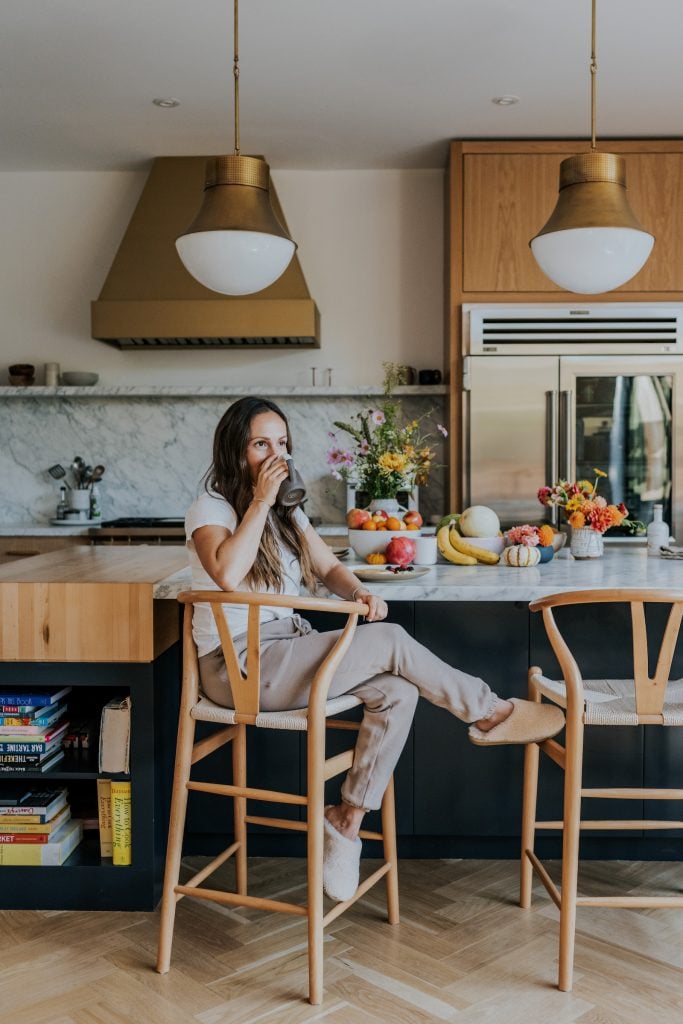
{"x": 166, "y": 101}
{"x": 500, "y": 101}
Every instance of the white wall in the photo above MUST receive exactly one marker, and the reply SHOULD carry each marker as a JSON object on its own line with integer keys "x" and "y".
{"x": 370, "y": 243}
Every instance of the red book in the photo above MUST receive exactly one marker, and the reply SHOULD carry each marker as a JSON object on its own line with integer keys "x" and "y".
{"x": 24, "y": 837}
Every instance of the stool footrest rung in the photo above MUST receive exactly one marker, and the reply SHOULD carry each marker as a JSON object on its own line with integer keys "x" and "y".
{"x": 234, "y": 899}
{"x": 298, "y": 826}
{"x": 338, "y": 764}
{"x": 269, "y": 795}
{"x": 629, "y": 901}
{"x": 616, "y": 825}
{"x": 624, "y": 793}
{"x": 360, "y": 891}
{"x": 209, "y": 868}
{"x": 550, "y": 886}
{"x": 204, "y": 747}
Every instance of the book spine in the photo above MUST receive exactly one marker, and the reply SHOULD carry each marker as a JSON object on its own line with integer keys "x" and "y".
{"x": 28, "y": 726}
{"x": 23, "y": 837}
{"x": 25, "y": 758}
{"x": 48, "y": 854}
{"x": 28, "y": 819}
{"x": 17, "y": 709}
{"x": 121, "y": 824}
{"x": 19, "y": 746}
{"x": 104, "y": 816}
{"x": 33, "y": 700}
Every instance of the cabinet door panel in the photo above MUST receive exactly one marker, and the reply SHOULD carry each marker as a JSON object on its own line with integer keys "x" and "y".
{"x": 654, "y": 182}
{"x": 508, "y": 197}
{"x": 460, "y": 789}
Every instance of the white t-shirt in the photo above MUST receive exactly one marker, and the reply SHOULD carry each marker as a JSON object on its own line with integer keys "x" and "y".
{"x": 210, "y": 509}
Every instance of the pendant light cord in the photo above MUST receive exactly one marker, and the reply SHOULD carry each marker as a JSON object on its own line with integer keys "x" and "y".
{"x": 594, "y": 75}
{"x": 236, "y": 75}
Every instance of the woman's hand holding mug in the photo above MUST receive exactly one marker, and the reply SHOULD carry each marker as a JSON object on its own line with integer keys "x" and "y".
{"x": 271, "y": 474}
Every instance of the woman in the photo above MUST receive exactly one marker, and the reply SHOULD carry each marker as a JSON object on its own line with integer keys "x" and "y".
{"x": 238, "y": 538}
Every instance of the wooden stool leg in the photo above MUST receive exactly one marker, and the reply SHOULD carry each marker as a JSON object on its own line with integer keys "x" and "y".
{"x": 239, "y": 778}
{"x": 570, "y": 852}
{"x": 529, "y": 799}
{"x": 176, "y": 829}
{"x": 315, "y": 792}
{"x": 390, "y": 851}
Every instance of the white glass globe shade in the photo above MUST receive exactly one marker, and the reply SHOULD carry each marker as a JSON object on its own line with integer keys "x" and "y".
{"x": 592, "y": 260}
{"x": 235, "y": 262}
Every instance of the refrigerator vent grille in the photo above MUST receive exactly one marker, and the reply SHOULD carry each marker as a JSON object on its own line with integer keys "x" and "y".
{"x": 567, "y": 327}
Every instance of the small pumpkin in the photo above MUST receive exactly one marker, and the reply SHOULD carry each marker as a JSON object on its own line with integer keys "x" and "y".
{"x": 521, "y": 555}
{"x": 376, "y": 558}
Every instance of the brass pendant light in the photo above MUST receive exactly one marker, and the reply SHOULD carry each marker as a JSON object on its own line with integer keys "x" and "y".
{"x": 236, "y": 245}
{"x": 592, "y": 242}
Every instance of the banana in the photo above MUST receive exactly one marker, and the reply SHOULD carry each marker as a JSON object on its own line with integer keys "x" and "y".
{"x": 449, "y": 552}
{"x": 465, "y": 548}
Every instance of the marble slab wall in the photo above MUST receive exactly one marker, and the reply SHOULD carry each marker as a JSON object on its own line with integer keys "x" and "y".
{"x": 156, "y": 451}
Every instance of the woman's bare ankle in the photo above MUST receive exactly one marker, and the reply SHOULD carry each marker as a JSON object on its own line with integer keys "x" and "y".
{"x": 346, "y": 819}
{"x": 503, "y": 710}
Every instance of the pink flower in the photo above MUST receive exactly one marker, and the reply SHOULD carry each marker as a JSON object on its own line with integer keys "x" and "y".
{"x": 544, "y": 494}
{"x": 527, "y": 535}
{"x": 442, "y": 430}
{"x": 378, "y": 417}
{"x": 339, "y": 457}
{"x": 364, "y": 447}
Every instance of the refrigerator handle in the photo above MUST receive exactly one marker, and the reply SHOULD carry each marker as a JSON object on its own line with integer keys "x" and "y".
{"x": 566, "y": 439}
{"x": 551, "y": 447}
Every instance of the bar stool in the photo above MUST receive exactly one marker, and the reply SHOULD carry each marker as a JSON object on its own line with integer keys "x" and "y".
{"x": 642, "y": 700}
{"x": 314, "y": 719}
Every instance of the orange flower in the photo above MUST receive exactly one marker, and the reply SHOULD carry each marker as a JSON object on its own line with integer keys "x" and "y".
{"x": 617, "y": 516}
{"x": 545, "y": 536}
{"x": 577, "y": 520}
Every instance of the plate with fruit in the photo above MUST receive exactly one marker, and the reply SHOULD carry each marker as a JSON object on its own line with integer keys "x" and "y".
{"x": 391, "y": 573}
{"x": 371, "y": 532}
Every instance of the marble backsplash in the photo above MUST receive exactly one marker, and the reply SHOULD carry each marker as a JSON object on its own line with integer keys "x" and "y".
{"x": 156, "y": 451}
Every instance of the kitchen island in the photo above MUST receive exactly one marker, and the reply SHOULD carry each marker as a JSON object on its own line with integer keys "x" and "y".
{"x": 105, "y": 620}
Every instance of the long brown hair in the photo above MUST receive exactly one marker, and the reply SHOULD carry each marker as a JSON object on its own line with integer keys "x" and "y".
{"x": 229, "y": 476}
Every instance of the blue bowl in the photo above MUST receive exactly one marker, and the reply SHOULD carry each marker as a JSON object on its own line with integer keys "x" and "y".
{"x": 546, "y": 553}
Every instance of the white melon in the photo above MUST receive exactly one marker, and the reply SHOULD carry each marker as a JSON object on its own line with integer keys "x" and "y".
{"x": 479, "y": 521}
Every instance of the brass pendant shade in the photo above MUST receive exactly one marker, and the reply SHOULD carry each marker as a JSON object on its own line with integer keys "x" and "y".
{"x": 592, "y": 242}
{"x": 236, "y": 245}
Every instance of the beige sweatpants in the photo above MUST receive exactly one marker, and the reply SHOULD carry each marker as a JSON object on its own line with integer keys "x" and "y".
{"x": 384, "y": 667}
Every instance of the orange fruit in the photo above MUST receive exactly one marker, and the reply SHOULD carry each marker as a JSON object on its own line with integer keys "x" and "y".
{"x": 413, "y": 526}
{"x": 381, "y": 526}
{"x": 369, "y": 525}
{"x": 393, "y": 523}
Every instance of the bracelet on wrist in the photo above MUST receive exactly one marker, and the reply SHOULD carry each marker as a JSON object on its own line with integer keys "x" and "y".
{"x": 355, "y": 591}
{"x": 262, "y": 500}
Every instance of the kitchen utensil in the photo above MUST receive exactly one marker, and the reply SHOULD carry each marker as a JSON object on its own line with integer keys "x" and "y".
{"x": 58, "y": 472}
{"x": 87, "y": 476}
{"x": 385, "y": 574}
{"x": 97, "y": 474}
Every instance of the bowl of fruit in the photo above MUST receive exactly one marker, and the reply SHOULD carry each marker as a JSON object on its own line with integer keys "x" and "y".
{"x": 370, "y": 532}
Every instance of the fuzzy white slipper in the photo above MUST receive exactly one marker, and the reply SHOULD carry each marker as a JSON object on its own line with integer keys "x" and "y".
{"x": 530, "y": 722}
{"x": 341, "y": 864}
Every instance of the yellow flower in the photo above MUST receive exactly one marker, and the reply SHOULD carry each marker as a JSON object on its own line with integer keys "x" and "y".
{"x": 409, "y": 451}
{"x": 575, "y": 502}
{"x": 599, "y": 472}
{"x": 413, "y": 425}
{"x": 392, "y": 462}
{"x": 577, "y": 520}
{"x": 585, "y": 485}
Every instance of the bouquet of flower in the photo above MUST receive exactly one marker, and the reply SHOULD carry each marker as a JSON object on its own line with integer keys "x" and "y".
{"x": 386, "y": 456}
{"x": 583, "y": 506}
{"x": 530, "y": 536}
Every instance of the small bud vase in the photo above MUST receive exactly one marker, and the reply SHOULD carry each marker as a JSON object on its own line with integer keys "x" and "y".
{"x": 586, "y": 543}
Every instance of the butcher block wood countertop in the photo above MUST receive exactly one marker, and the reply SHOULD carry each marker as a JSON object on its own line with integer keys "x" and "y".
{"x": 88, "y": 604}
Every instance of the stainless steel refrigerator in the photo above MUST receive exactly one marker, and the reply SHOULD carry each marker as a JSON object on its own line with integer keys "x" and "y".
{"x": 554, "y": 392}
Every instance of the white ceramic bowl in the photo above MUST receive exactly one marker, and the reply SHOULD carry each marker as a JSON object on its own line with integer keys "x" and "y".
{"x": 78, "y": 378}
{"x": 366, "y": 542}
{"x": 495, "y": 544}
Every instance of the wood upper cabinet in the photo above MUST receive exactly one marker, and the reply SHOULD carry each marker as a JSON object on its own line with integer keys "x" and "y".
{"x": 506, "y": 191}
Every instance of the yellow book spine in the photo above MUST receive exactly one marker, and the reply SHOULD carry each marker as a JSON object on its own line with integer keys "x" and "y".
{"x": 104, "y": 815}
{"x": 30, "y": 854}
{"x": 121, "y": 822}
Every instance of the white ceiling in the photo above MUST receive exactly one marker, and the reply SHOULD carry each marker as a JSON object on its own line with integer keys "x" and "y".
{"x": 325, "y": 83}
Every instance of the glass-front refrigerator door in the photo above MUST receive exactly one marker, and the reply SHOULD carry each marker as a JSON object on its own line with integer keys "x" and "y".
{"x": 621, "y": 418}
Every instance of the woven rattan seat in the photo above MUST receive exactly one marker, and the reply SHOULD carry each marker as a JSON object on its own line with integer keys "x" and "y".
{"x": 206, "y": 711}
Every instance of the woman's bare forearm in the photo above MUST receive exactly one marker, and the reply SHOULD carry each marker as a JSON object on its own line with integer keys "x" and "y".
{"x": 341, "y": 581}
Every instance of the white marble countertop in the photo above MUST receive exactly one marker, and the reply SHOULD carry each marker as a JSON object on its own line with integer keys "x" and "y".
{"x": 216, "y": 391}
{"x": 619, "y": 567}
{"x": 45, "y": 530}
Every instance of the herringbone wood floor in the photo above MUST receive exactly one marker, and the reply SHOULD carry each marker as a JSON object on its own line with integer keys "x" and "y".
{"x": 463, "y": 952}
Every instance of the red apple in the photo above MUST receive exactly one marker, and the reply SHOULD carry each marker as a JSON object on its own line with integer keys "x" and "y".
{"x": 413, "y": 517}
{"x": 355, "y": 518}
{"x": 381, "y": 513}
{"x": 400, "y": 551}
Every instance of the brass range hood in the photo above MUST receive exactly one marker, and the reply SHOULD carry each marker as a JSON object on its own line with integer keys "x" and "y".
{"x": 149, "y": 301}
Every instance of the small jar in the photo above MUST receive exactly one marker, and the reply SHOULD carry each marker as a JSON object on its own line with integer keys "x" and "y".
{"x": 51, "y": 375}
{"x": 657, "y": 533}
